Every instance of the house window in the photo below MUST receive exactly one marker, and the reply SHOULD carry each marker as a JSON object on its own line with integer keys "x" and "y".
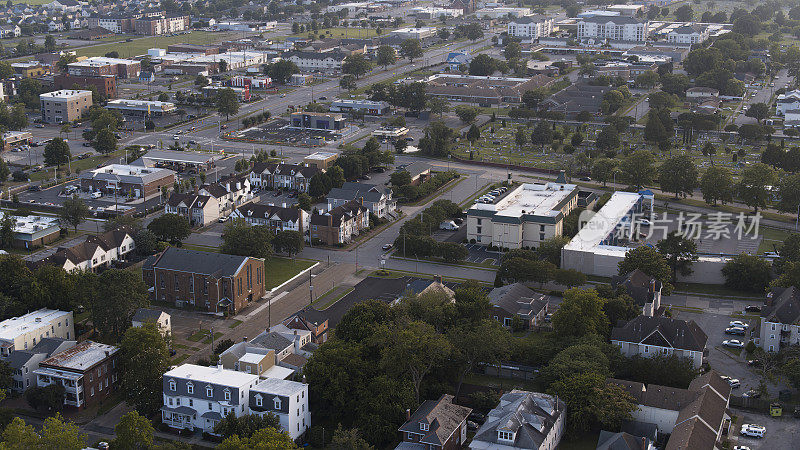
{"x": 424, "y": 426}
{"x": 505, "y": 435}
{"x": 277, "y": 403}
{"x": 190, "y": 387}
{"x": 209, "y": 391}
{"x": 172, "y": 385}
{"x": 227, "y": 394}
{"x": 259, "y": 401}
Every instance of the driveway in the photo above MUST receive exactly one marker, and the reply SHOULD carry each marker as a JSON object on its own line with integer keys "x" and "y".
{"x": 782, "y": 432}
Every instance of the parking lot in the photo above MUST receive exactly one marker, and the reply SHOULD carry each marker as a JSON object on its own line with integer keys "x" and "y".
{"x": 782, "y": 432}
{"x": 278, "y": 131}
{"x": 479, "y": 254}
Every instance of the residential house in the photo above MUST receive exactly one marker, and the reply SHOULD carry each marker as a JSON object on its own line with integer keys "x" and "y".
{"x": 199, "y": 210}
{"x": 419, "y": 171}
{"x": 95, "y": 253}
{"x": 282, "y": 176}
{"x": 10, "y": 31}
{"x": 24, "y": 332}
{"x": 277, "y": 218}
{"x": 779, "y": 325}
{"x": 787, "y": 101}
{"x": 642, "y": 288}
{"x": 161, "y": 319}
{"x": 198, "y": 397}
{"x": 701, "y": 93}
{"x": 23, "y": 363}
{"x": 340, "y": 224}
{"x": 523, "y": 420}
{"x": 420, "y": 286}
{"x": 377, "y": 198}
{"x": 231, "y": 191}
{"x": 275, "y": 353}
{"x": 696, "y": 418}
{"x": 518, "y": 301}
{"x": 286, "y": 399}
{"x": 455, "y": 60}
{"x": 299, "y": 321}
{"x": 623, "y": 441}
{"x": 649, "y": 336}
{"x": 88, "y": 372}
{"x": 436, "y": 424}
{"x": 214, "y": 282}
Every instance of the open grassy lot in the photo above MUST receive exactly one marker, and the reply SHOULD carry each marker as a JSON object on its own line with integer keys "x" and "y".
{"x": 279, "y": 270}
{"x": 140, "y": 46}
{"x": 341, "y": 32}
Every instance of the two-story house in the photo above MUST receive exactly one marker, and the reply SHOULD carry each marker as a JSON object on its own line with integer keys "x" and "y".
{"x": 214, "y": 282}
{"x": 643, "y": 289}
{"x": 340, "y": 224}
{"x": 88, "y": 371}
{"x": 282, "y": 176}
{"x": 286, "y": 399}
{"x": 378, "y": 199}
{"x": 523, "y": 420}
{"x": 301, "y": 321}
{"x": 95, "y": 253}
{"x": 199, "y": 210}
{"x": 230, "y": 192}
{"x": 198, "y": 397}
{"x": 276, "y": 353}
{"x": 518, "y": 301}
{"x": 23, "y": 363}
{"x": 649, "y": 336}
{"x": 436, "y": 425}
{"x": 277, "y": 218}
{"x": 780, "y": 320}
{"x": 161, "y": 319}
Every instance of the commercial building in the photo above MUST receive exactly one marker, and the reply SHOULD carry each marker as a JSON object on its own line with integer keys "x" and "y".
{"x": 277, "y": 218}
{"x": 503, "y": 12}
{"x": 431, "y": 12}
{"x": 242, "y": 26}
{"x": 252, "y": 82}
{"x": 626, "y": 10}
{"x": 317, "y": 121}
{"x": 14, "y": 139}
{"x": 439, "y": 424}
{"x": 368, "y": 107}
{"x": 338, "y": 225}
{"x": 31, "y": 232}
{"x": 483, "y": 90}
{"x": 106, "y": 84}
{"x": 413, "y": 33}
{"x": 390, "y": 133}
{"x": 101, "y": 65}
{"x": 615, "y": 28}
{"x": 648, "y": 336}
{"x": 24, "y": 332}
{"x": 95, "y": 253}
{"x": 523, "y": 217}
{"x": 530, "y": 27}
{"x": 214, "y": 282}
{"x": 703, "y": 93}
{"x": 242, "y": 93}
{"x": 64, "y": 106}
{"x": 321, "y": 160}
{"x": 127, "y": 180}
{"x": 88, "y": 372}
{"x": 24, "y": 363}
{"x": 523, "y": 420}
{"x": 142, "y": 107}
{"x": 28, "y": 69}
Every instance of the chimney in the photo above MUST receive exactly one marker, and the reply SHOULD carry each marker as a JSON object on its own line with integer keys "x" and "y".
{"x": 219, "y": 367}
{"x": 408, "y": 414}
{"x": 244, "y": 338}
{"x": 437, "y": 278}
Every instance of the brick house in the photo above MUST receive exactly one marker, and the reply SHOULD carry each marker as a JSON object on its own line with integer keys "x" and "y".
{"x": 88, "y": 372}
{"x": 340, "y": 224}
{"x": 436, "y": 424}
{"x": 214, "y": 282}
{"x": 300, "y": 321}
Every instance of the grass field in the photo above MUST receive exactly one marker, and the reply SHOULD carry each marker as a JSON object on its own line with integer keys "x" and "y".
{"x": 78, "y": 165}
{"x": 279, "y": 270}
{"x": 332, "y": 296}
{"x": 358, "y": 33}
{"x": 141, "y": 45}
{"x": 32, "y": 2}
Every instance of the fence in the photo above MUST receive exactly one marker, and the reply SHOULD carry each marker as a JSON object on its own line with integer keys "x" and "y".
{"x": 757, "y": 404}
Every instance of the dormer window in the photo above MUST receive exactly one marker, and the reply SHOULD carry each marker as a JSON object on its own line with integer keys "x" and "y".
{"x": 259, "y": 400}
{"x": 190, "y": 388}
{"x": 276, "y": 403}
{"x": 172, "y": 385}
{"x": 227, "y": 394}
{"x": 505, "y": 436}
{"x": 424, "y": 426}
{"x": 209, "y": 391}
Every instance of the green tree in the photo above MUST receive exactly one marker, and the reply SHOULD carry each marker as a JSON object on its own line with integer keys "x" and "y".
{"x": 134, "y": 432}
{"x": 227, "y": 102}
{"x": 654, "y": 131}
{"x": 105, "y": 141}
{"x": 680, "y": 253}
{"x": 438, "y": 106}
{"x": 533, "y": 97}
{"x": 438, "y": 139}
{"x": 266, "y": 438}
{"x": 119, "y": 293}
{"x": 247, "y": 425}
{"x": 550, "y": 249}
{"x": 415, "y": 350}
{"x": 356, "y": 64}
{"x": 73, "y": 212}
{"x": 56, "y": 152}
{"x": 608, "y": 140}
{"x": 4, "y": 172}
{"x": 304, "y": 201}
{"x": 520, "y": 138}
{"x": 348, "y": 440}
{"x": 386, "y": 56}
{"x": 589, "y": 400}
{"x": 684, "y": 13}
{"x": 411, "y": 48}
{"x": 466, "y": 113}
{"x": 603, "y": 169}
{"x": 678, "y": 175}
{"x": 240, "y": 238}
{"x": 473, "y": 134}
{"x": 638, "y": 168}
{"x": 144, "y": 358}
{"x": 758, "y": 111}
{"x": 717, "y": 185}
{"x": 289, "y": 242}
{"x": 486, "y": 342}
{"x": 400, "y": 178}
{"x": 748, "y": 273}
{"x": 282, "y": 71}
{"x": 28, "y": 92}
{"x": 170, "y": 228}
{"x": 753, "y": 185}
{"x": 580, "y": 313}
{"x": 54, "y": 434}
{"x": 48, "y": 398}
{"x": 569, "y": 278}
{"x": 348, "y": 82}
{"x": 513, "y": 50}
{"x": 7, "y": 231}
{"x": 649, "y": 261}
{"x": 201, "y": 81}
{"x": 482, "y": 65}
{"x": 542, "y": 134}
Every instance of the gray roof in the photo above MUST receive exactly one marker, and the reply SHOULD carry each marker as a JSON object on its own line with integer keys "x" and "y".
{"x": 179, "y": 410}
{"x": 517, "y": 299}
{"x": 621, "y": 441}
{"x": 334, "y": 54}
{"x": 147, "y": 315}
{"x": 417, "y": 168}
{"x": 271, "y": 340}
{"x": 640, "y": 286}
{"x": 530, "y": 415}
{"x": 268, "y": 211}
{"x": 785, "y": 307}
{"x": 442, "y": 416}
{"x": 662, "y": 332}
{"x": 531, "y": 19}
{"x": 175, "y": 156}
{"x": 351, "y": 191}
{"x": 149, "y": 175}
{"x": 18, "y": 358}
{"x": 208, "y": 263}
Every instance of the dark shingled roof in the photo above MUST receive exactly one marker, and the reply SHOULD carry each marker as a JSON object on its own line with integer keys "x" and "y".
{"x": 209, "y": 263}
{"x": 663, "y": 332}
{"x": 531, "y": 415}
{"x": 85, "y": 250}
{"x": 286, "y": 169}
{"x": 190, "y": 200}
{"x": 268, "y": 211}
{"x": 621, "y": 441}
{"x": 785, "y": 307}
{"x": 639, "y": 285}
{"x": 146, "y": 315}
{"x": 340, "y": 213}
{"x": 442, "y": 416}
{"x": 518, "y": 299}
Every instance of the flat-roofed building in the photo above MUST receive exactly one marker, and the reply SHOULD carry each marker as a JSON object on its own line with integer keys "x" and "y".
{"x": 317, "y": 121}
{"x": 524, "y": 217}
{"x": 321, "y": 160}
{"x": 64, "y": 106}
{"x": 101, "y": 65}
{"x": 142, "y": 107}
{"x": 106, "y": 84}
{"x": 13, "y": 139}
{"x": 88, "y": 372}
{"x": 127, "y": 180}
{"x": 413, "y": 33}
{"x": 362, "y": 106}
{"x": 33, "y": 231}
{"x": 24, "y": 332}
{"x": 28, "y": 69}
{"x": 615, "y": 28}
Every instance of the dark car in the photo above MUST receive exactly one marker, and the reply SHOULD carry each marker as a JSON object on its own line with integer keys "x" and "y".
{"x": 87, "y": 144}
{"x": 735, "y": 331}
{"x": 752, "y": 308}
{"x": 458, "y": 220}
{"x": 34, "y": 188}
{"x": 379, "y": 169}
{"x": 409, "y": 138}
{"x": 365, "y": 177}
{"x": 323, "y": 98}
{"x": 293, "y": 194}
{"x": 585, "y": 179}
{"x": 754, "y": 363}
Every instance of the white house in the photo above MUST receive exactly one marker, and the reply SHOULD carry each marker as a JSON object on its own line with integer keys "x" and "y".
{"x": 10, "y": 31}
{"x": 282, "y": 176}
{"x": 649, "y": 336}
{"x": 378, "y": 199}
{"x": 229, "y": 192}
{"x": 787, "y": 101}
{"x": 616, "y": 28}
{"x": 523, "y": 420}
{"x": 24, "y": 332}
{"x": 531, "y": 27}
{"x": 322, "y": 62}
{"x": 688, "y": 34}
{"x": 23, "y": 363}
{"x": 54, "y": 25}
{"x": 199, "y": 210}
{"x": 278, "y": 218}
{"x": 286, "y": 399}
{"x": 780, "y": 320}
{"x": 162, "y": 320}
{"x": 93, "y": 253}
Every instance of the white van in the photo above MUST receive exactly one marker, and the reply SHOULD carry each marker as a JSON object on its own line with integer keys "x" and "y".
{"x": 448, "y": 225}
{"x": 96, "y": 194}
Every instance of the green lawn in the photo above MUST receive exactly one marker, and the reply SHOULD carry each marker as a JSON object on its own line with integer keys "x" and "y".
{"x": 235, "y": 324}
{"x": 332, "y": 296}
{"x": 279, "y": 270}
{"x": 141, "y": 45}
{"x": 32, "y": 2}
{"x": 358, "y": 33}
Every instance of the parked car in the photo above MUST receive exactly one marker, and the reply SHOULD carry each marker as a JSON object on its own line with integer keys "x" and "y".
{"x": 754, "y": 362}
{"x": 741, "y": 447}
{"x": 223, "y": 219}
{"x": 87, "y": 144}
{"x": 752, "y": 308}
{"x": 735, "y": 383}
{"x": 733, "y": 343}
{"x": 323, "y": 98}
{"x": 34, "y": 188}
{"x": 585, "y": 179}
{"x": 472, "y": 425}
{"x": 736, "y": 331}
{"x": 96, "y": 194}
{"x": 365, "y": 177}
{"x": 753, "y": 430}
{"x": 84, "y": 155}
{"x": 39, "y": 125}
{"x": 458, "y": 220}
{"x": 387, "y": 247}
{"x": 293, "y": 194}
{"x": 752, "y": 393}
{"x": 739, "y": 324}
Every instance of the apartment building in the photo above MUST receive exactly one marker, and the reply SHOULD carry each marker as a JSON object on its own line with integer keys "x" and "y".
{"x": 64, "y": 106}
{"x": 88, "y": 372}
{"x": 275, "y": 353}
{"x": 214, "y": 282}
{"x": 282, "y": 176}
{"x": 277, "y": 218}
{"x": 286, "y": 399}
{"x": 317, "y": 62}
{"x": 230, "y": 191}
{"x": 199, "y": 210}
{"x": 116, "y": 25}
{"x": 613, "y": 28}
{"x": 338, "y": 225}
{"x": 530, "y": 28}
{"x": 689, "y": 34}
{"x": 101, "y": 65}
{"x": 24, "y": 332}
{"x": 523, "y": 420}
{"x": 96, "y": 252}
{"x": 153, "y": 26}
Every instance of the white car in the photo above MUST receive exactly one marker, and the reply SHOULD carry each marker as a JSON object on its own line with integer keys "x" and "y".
{"x": 741, "y": 447}
{"x": 96, "y": 194}
{"x": 734, "y": 343}
{"x": 644, "y": 222}
{"x": 753, "y": 430}
{"x": 735, "y": 383}
{"x": 222, "y": 219}
{"x": 738, "y": 324}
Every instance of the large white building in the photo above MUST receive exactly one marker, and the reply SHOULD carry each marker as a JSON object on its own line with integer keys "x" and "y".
{"x": 522, "y": 217}
{"x": 311, "y": 61}
{"x": 413, "y": 33}
{"x": 23, "y": 332}
{"x": 615, "y": 28}
{"x": 531, "y": 27}
{"x": 141, "y": 107}
{"x": 502, "y": 12}
{"x": 688, "y": 34}
{"x": 286, "y": 399}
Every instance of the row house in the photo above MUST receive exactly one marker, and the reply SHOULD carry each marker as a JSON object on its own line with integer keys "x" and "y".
{"x": 95, "y": 253}
{"x": 275, "y": 353}
{"x": 88, "y": 372}
{"x": 198, "y": 397}
{"x": 282, "y": 176}
{"x": 277, "y": 218}
{"x": 378, "y": 199}
{"x": 199, "y": 210}
{"x": 230, "y": 192}
{"x": 339, "y": 225}
{"x": 214, "y": 282}
{"x": 24, "y": 363}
